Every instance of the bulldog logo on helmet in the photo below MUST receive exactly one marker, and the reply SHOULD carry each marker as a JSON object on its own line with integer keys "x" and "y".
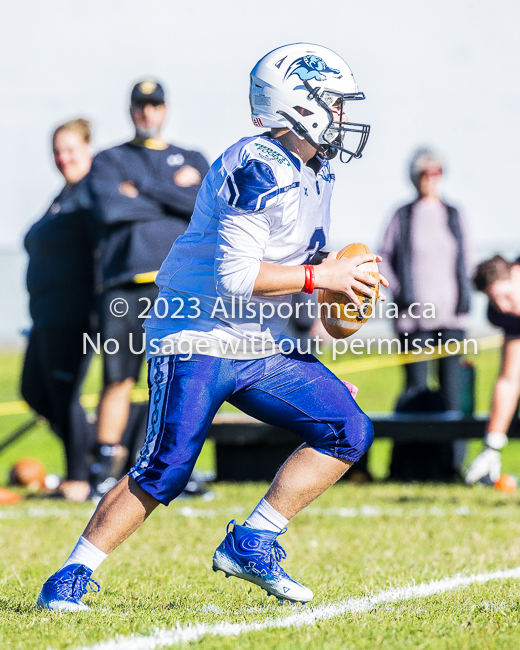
{"x": 309, "y": 67}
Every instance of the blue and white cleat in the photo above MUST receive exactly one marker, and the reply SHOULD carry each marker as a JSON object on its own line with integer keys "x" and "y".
{"x": 64, "y": 590}
{"x": 254, "y": 555}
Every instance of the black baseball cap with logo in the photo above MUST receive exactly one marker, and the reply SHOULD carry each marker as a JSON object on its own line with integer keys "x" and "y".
{"x": 147, "y": 92}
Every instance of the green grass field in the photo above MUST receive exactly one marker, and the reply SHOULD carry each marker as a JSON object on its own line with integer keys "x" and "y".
{"x": 353, "y": 542}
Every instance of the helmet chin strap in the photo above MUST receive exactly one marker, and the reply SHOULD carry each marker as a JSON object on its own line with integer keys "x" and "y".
{"x": 329, "y": 151}
{"x": 297, "y": 127}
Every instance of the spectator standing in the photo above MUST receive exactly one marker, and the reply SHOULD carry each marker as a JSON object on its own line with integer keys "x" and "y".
{"x": 144, "y": 193}
{"x": 60, "y": 282}
{"x": 427, "y": 259}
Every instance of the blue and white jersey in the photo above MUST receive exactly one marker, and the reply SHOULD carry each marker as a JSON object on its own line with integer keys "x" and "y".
{"x": 258, "y": 202}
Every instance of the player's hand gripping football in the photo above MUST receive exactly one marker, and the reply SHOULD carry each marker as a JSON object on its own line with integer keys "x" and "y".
{"x": 343, "y": 275}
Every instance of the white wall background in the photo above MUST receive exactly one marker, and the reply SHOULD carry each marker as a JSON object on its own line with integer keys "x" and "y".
{"x": 443, "y": 73}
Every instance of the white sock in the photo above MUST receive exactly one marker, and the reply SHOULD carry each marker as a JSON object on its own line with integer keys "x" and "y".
{"x": 265, "y": 517}
{"x": 86, "y": 553}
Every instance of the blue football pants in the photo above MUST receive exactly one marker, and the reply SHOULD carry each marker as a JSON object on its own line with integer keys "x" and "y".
{"x": 294, "y": 392}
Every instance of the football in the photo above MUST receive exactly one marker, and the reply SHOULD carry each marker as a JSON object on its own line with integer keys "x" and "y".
{"x": 340, "y": 317}
{"x": 29, "y": 473}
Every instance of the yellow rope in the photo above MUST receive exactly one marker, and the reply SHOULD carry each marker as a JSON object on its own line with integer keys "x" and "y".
{"x": 486, "y": 343}
{"x": 88, "y": 401}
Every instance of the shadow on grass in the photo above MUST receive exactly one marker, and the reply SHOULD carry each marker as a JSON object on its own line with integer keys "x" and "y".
{"x": 18, "y": 607}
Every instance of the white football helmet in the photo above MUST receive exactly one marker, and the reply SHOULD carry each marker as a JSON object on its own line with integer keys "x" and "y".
{"x": 295, "y": 86}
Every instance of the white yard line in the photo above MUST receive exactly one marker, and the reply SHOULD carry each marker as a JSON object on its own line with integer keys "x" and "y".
{"x": 42, "y": 512}
{"x": 161, "y": 638}
{"x": 362, "y": 511}
{"x": 206, "y": 513}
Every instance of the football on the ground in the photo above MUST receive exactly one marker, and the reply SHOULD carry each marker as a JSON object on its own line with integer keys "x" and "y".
{"x": 340, "y": 317}
{"x": 29, "y": 473}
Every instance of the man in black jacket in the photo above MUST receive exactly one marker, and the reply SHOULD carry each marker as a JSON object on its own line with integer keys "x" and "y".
{"x": 144, "y": 193}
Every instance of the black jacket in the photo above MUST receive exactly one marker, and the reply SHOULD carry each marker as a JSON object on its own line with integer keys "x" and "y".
{"x": 60, "y": 275}
{"x": 137, "y": 232}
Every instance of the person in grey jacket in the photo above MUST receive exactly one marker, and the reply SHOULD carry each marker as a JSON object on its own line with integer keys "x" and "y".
{"x": 428, "y": 262}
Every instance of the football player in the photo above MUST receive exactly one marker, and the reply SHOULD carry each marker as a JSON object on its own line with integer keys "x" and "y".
{"x": 500, "y": 281}
{"x": 261, "y": 219}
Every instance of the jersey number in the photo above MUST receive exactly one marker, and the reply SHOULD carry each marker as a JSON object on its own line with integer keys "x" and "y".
{"x": 317, "y": 242}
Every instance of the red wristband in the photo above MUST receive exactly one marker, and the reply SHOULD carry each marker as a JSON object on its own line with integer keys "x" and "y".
{"x": 308, "y": 287}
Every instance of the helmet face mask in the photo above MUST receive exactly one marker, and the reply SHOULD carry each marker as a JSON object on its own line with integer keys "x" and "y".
{"x": 333, "y": 137}
{"x": 305, "y": 88}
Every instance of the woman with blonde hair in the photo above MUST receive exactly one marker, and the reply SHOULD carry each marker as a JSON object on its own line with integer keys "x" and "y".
{"x": 60, "y": 282}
